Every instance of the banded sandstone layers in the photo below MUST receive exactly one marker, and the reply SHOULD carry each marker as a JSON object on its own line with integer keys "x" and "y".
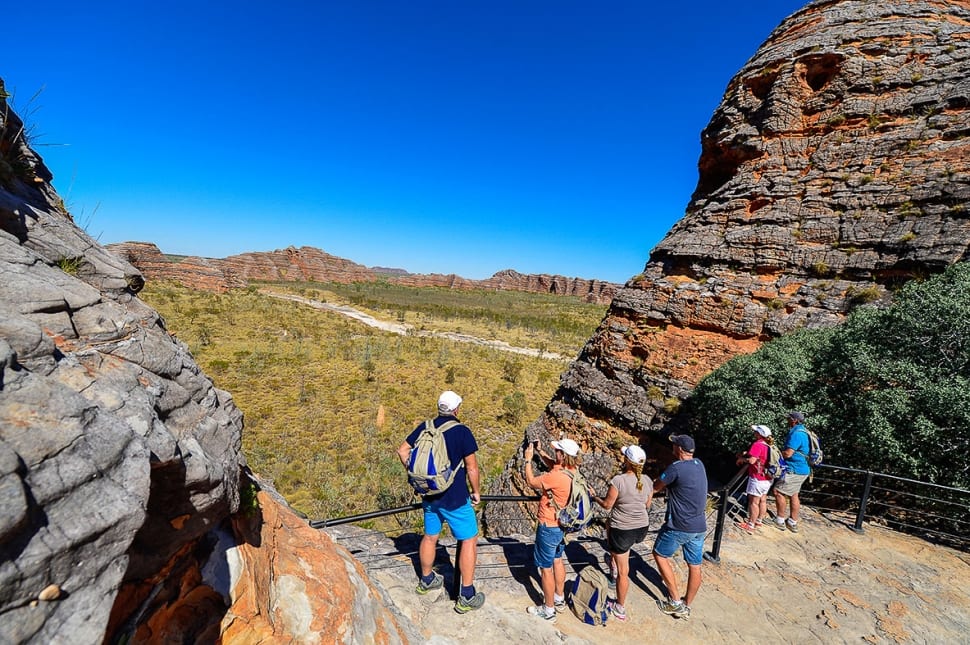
{"x": 120, "y": 464}
{"x": 308, "y": 264}
{"x": 836, "y": 167}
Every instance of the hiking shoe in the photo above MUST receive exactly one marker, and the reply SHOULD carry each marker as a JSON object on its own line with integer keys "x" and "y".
{"x": 745, "y": 526}
{"x": 540, "y": 611}
{"x": 464, "y": 605}
{"x": 437, "y": 582}
{"x": 778, "y": 525}
{"x": 792, "y": 526}
{"x": 618, "y": 610}
{"x": 676, "y": 609}
{"x": 560, "y": 606}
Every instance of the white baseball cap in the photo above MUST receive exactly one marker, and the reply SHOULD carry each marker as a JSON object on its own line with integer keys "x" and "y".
{"x": 448, "y": 401}
{"x": 764, "y": 431}
{"x": 635, "y": 454}
{"x": 568, "y": 446}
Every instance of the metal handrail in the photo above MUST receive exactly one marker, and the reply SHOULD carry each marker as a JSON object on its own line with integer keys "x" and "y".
{"x": 724, "y": 495}
{"x": 321, "y": 524}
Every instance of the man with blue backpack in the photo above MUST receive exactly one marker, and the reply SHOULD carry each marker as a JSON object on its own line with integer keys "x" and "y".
{"x": 438, "y": 455}
{"x": 801, "y": 453}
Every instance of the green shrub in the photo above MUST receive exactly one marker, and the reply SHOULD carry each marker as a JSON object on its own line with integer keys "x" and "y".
{"x": 888, "y": 390}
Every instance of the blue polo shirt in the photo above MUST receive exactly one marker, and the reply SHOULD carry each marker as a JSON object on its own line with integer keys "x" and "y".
{"x": 460, "y": 443}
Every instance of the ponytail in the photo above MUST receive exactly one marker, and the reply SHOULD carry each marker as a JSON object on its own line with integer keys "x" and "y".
{"x": 638, "y": 470}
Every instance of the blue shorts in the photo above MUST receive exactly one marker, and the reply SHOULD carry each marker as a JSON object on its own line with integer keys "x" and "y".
{"x": 549, "y": 546}
{"x": 462, "y": 520}
{"x": 668, "y": 540}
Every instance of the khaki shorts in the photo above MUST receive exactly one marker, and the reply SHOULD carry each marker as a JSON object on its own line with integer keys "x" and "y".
{"x": 791, "y": 485}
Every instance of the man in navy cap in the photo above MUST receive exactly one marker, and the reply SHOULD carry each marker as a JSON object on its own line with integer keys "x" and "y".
{"x": 685, "y": 526}
{"x": 796, "y": 449}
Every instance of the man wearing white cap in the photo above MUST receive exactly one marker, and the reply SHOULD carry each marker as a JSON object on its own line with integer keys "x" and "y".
{"x": 454, "y": 505}
{"x": 758, "y": 480}
{"x": 628, "y": 501}
{"x": 550, "y": 540}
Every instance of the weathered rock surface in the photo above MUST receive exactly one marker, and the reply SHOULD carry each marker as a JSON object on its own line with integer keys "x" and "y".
{"x": 308, "y": 264}
{"x": 120, "y": 463}
{"x": 836, "y": 167}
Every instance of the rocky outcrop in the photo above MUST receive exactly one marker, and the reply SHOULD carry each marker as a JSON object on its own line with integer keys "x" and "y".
{"x": 308, "y": 264}
{"x": 194, "y": 272}
{"x": 121, "y": 468}
{"x": 836, "y": 167}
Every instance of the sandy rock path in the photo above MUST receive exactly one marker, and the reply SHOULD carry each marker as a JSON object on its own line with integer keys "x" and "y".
{"x": 825, "y": 584}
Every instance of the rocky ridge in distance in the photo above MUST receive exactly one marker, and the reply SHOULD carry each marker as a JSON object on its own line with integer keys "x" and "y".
{"x": 309, "y": 264}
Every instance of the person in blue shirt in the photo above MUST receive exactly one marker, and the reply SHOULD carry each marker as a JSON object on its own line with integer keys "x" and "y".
{"x": 786, "y": 491}
{"x": 685, "y": 481}
{"x": 454, "y": 506}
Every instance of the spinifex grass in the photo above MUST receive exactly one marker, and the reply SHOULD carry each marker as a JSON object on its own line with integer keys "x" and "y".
{"x": 327, "y": 400}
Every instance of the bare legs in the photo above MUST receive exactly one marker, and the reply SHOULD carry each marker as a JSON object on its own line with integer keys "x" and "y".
{"x": 622, "y": 562}
{"x": 553, "y": 581}
{"x": 670, "y": 579}
{"x": 781, "y": 506}
{"x": 757, "y": 507}
{"x": 426, "y": 553}
{"x": 466, "y": 563}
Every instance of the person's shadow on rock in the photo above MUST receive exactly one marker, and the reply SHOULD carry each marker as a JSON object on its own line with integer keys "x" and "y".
{"x": 409, "y": 544}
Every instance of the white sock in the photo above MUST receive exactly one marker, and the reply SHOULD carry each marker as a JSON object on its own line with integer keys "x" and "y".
{"x": 558, "y": 598}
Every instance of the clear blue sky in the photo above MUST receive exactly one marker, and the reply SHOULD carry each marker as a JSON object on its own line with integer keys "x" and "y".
{"x": 452, "y": 136}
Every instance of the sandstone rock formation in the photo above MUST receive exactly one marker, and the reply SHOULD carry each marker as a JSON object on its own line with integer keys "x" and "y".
{"x": 836, "y": 166}
{"x": 308, "y": 264}
{"x": 121, "y": 464}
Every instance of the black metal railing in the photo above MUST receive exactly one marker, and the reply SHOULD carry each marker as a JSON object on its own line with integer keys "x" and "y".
{"x": 321, "y": 524}
{"x": 726, "y": 504}
{"x": 932, "y": 511}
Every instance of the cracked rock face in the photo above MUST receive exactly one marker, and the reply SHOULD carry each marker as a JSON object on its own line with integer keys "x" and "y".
{"x": 121, "y": 465}
{"x": 836, "y": 167}
{"x": 116, "y": 451}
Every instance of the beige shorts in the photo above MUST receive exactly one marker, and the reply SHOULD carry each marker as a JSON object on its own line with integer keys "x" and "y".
{"x": 791, "y": 485}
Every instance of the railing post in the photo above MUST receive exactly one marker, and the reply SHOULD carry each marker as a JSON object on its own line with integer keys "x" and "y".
{"x": 866, "y": 489}
{"x": 714, "y": 555}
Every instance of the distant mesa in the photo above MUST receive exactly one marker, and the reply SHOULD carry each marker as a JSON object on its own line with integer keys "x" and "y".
{"x": 309, "y": 264}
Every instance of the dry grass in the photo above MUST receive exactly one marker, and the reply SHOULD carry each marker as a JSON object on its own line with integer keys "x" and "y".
{"x": 327, "y": 400}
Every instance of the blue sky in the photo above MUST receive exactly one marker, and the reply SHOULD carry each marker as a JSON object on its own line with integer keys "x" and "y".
{"x": 444, "y": 136}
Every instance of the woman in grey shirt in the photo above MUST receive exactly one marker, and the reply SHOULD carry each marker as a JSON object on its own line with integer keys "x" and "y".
{"x": 628, "y": 500}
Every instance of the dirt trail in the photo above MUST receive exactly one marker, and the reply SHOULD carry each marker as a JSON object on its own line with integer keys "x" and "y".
{"x": 404, "y": 330}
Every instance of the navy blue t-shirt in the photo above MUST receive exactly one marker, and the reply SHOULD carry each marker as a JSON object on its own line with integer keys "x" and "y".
{"x": 460, "y": 443}
{"x": 686, "y": 483}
